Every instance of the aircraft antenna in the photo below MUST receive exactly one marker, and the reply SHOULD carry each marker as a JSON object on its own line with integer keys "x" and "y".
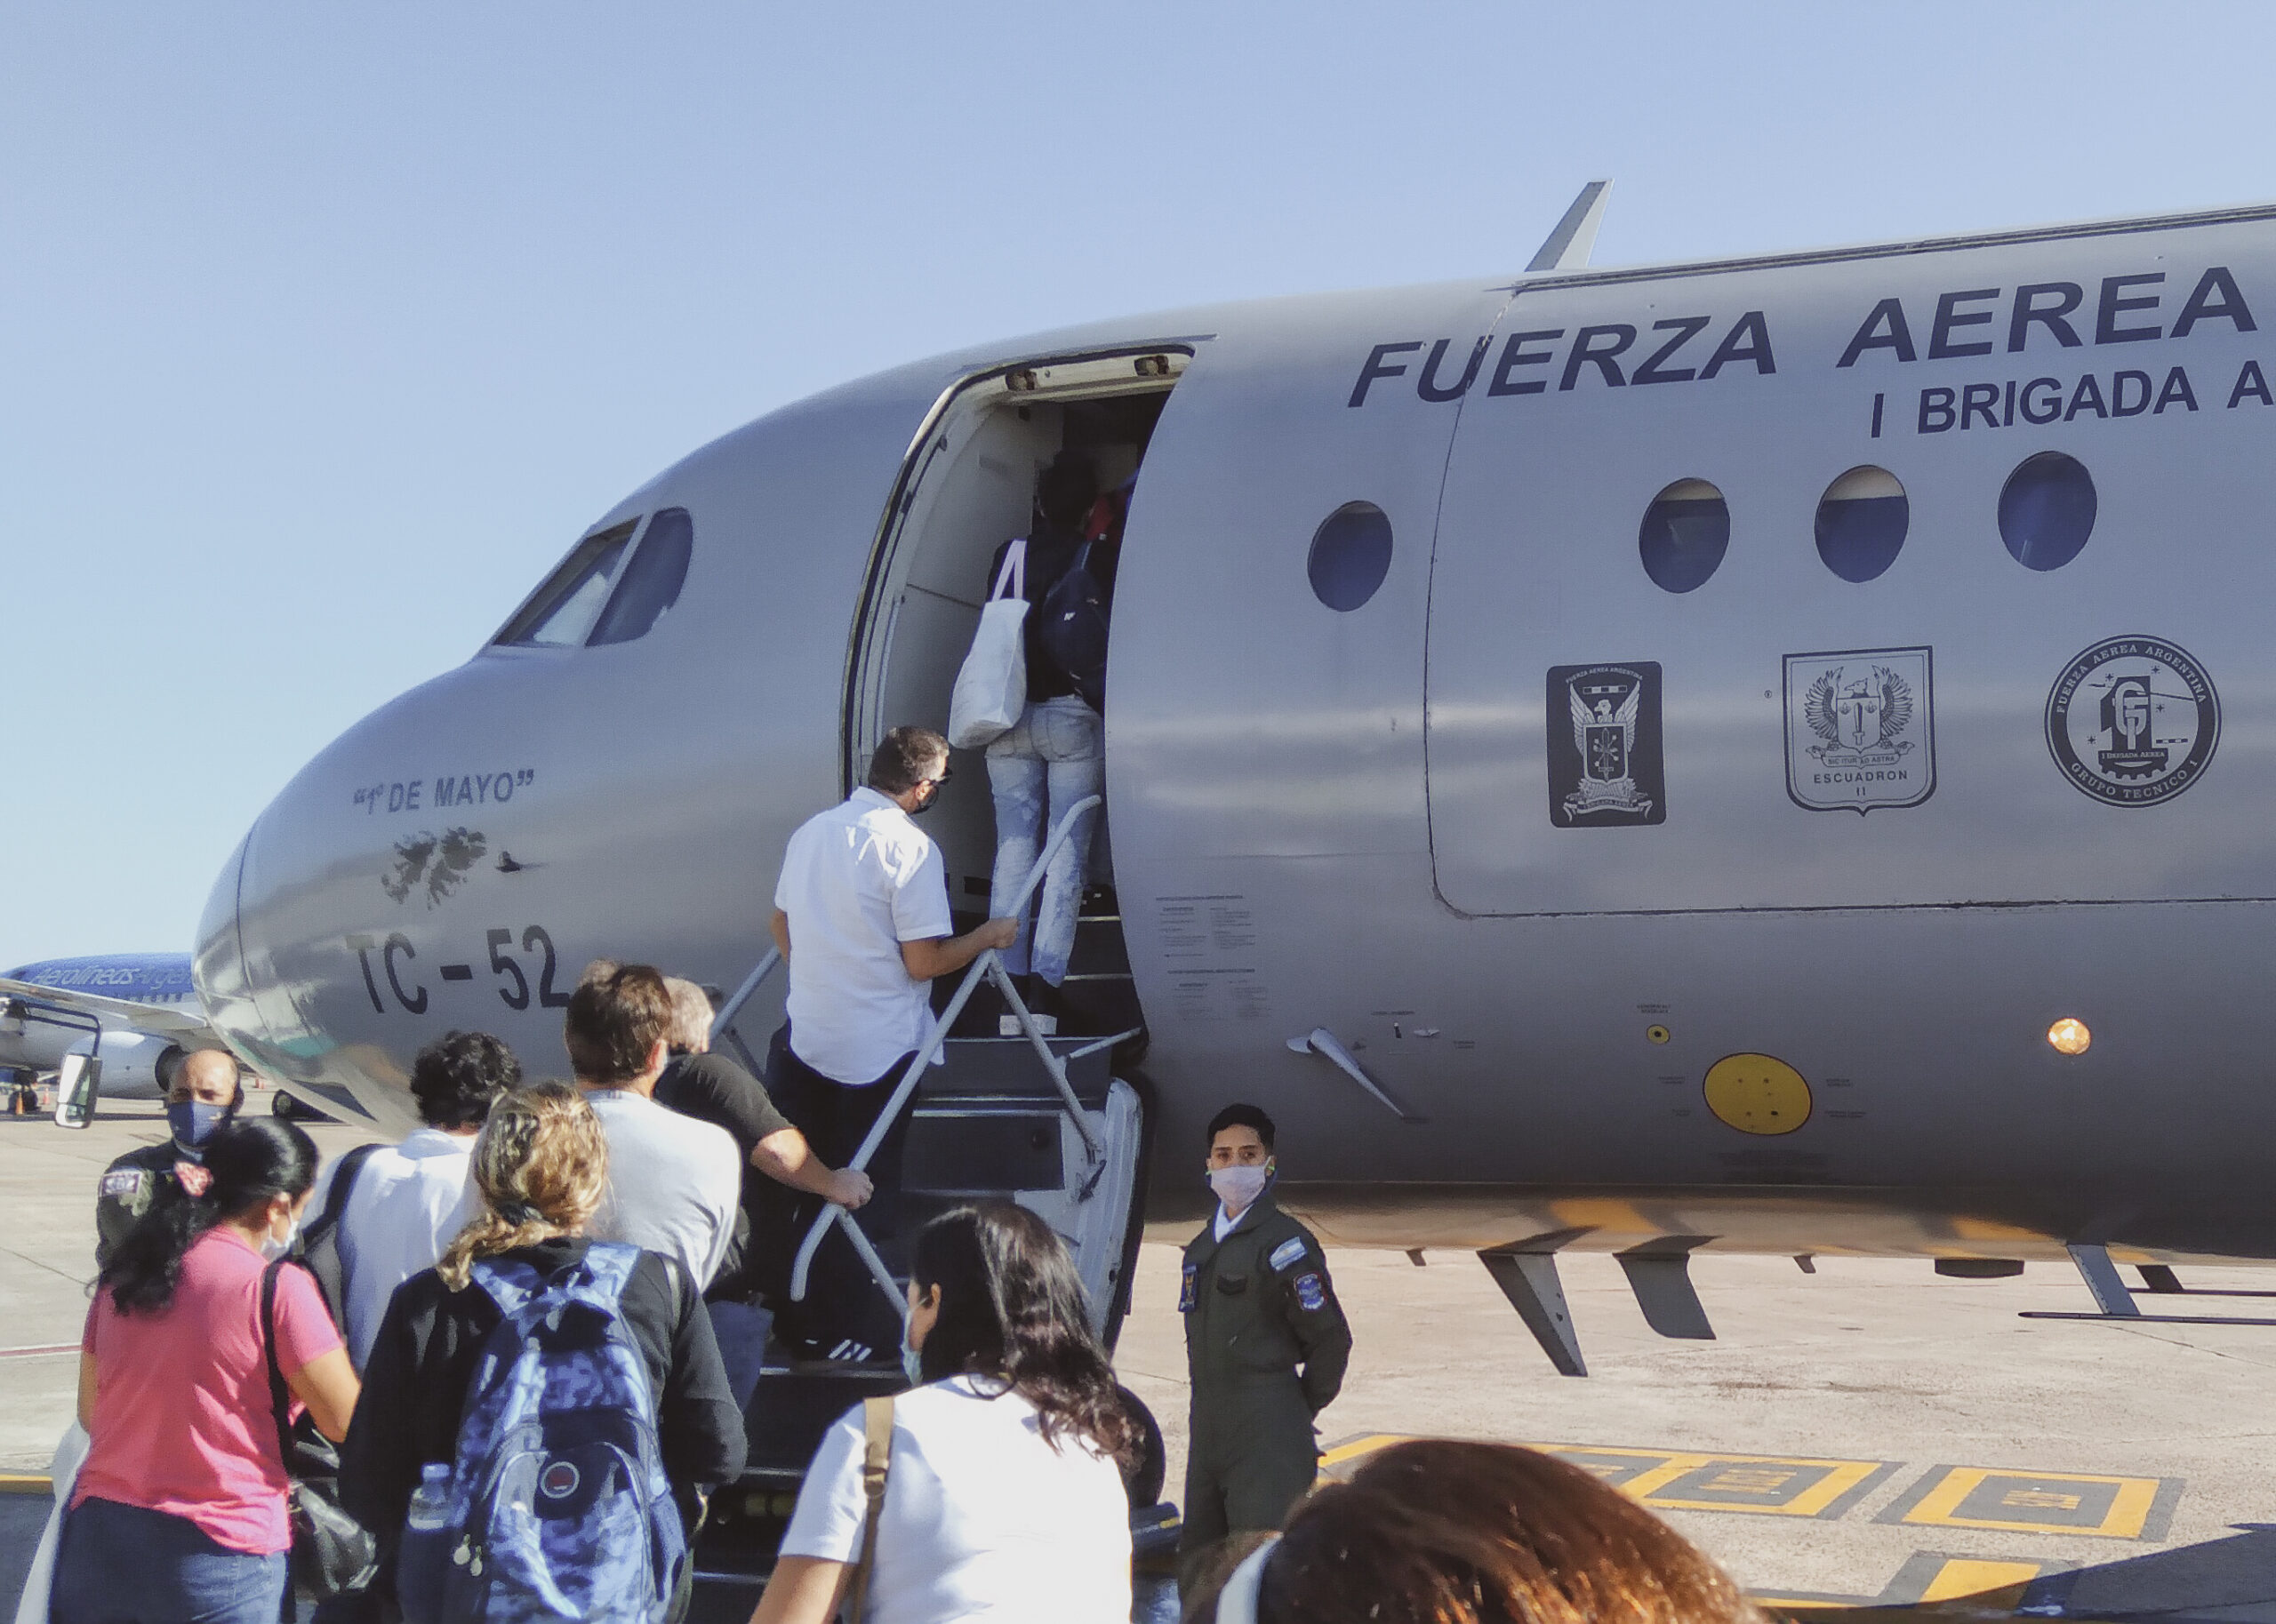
{"x": 1569, "y": 245}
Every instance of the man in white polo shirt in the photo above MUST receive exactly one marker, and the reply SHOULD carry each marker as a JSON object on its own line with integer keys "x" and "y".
{"x": 861, "y": 918}
{"x": 674, "y": 1183}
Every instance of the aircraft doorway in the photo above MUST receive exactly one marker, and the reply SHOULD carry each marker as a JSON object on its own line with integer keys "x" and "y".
{"x": 970, "y": 484}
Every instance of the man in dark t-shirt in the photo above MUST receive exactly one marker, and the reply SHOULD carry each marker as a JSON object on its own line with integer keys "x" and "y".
{"x": 713, "y": 1088}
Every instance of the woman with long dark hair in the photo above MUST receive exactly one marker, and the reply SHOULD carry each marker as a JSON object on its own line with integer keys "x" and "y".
{"x": 179, "y": 1511}
{"x": 1004, "y": 1496}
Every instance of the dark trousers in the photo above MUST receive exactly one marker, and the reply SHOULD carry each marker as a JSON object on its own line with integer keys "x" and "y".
{"x": 356, "y": 1607}
{"x": 1251, "y": 1455}
{"x": 843, "y": 1302}
{"x": 123, "y": 1564}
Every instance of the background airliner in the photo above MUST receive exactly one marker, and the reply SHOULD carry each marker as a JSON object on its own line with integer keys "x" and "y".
{"x": 142, "y": 1005}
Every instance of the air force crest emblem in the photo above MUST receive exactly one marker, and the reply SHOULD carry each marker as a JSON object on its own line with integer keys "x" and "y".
{"x": 2133, "y": 721}
{"x": 1605, "y": 763}
{"x": 1860, "y": 729}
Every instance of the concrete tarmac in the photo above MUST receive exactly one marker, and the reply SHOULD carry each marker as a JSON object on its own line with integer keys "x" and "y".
{"x": 1923, "y": 1443}
{"x": 1872, "y": 1435}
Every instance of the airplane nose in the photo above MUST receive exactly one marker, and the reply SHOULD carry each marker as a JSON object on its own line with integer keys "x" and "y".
{"x": 218, "y": 967}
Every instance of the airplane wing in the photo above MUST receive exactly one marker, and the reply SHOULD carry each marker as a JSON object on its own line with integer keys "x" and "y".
{"x": 153, "y": 1019}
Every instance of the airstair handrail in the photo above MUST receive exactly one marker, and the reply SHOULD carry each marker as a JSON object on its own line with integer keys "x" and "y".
{"x": 988, "y": 964}
{"x": 734, "y": 1006}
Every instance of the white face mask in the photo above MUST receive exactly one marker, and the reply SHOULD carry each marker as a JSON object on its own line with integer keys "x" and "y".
{"x": 912, "y": 1362}
{"x": 1238, "y": 1187}
{"x": 272, "y": 1248}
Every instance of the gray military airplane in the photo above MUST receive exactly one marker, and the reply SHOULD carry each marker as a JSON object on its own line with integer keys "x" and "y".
{"x": 1753, "y": 756}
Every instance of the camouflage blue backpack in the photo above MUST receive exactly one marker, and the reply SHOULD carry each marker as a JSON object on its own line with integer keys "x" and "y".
{"x": 558, "y": 1506}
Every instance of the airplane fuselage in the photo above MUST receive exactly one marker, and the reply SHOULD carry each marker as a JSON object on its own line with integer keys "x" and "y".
{"x": 1674, "y": 887}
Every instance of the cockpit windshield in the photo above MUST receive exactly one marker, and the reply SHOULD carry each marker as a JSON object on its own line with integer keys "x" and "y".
{"x": 652, "y": 581}
{"x": 608, "y": 590}
{"x": 566, "y": 607}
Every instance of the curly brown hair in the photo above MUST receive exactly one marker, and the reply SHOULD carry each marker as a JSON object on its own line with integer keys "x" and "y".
{"x": 1442, "y": 1532}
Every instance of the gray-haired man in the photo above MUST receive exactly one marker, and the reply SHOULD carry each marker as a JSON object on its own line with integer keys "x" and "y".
{"x": 713, "y": 1088}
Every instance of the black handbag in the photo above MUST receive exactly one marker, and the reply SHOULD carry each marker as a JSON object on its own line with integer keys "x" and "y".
{"x": 333, "y": 1554}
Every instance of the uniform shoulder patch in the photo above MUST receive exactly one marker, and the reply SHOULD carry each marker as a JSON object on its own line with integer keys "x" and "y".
{"x": 122, "y": 1181}
{"x": 1185, "y": 1293}
{"x": 1312, "y": 1295}
{"x": 1288, "y": 1254}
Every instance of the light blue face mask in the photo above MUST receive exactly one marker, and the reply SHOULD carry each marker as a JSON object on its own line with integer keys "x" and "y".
{"x": 912, "y": 1363}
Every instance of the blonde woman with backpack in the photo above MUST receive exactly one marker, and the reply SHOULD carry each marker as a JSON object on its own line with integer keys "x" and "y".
{"x": 540, "y": 1165}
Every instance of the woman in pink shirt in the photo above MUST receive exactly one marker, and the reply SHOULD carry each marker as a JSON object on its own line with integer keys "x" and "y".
{"x": 180, "y": 1516}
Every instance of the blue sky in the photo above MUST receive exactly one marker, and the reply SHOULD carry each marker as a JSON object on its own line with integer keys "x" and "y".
{"x": 323, "y": 329}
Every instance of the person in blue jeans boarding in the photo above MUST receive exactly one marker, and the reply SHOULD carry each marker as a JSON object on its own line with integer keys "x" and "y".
{"x": 1056, "y": 755}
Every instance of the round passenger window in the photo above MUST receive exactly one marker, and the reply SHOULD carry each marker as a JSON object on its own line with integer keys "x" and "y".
{"x": 2047, "y": 510}
{"x": 1351, "y": 556}
{"x": 1861, "y": 523}
{"x": 1685, "y": 531}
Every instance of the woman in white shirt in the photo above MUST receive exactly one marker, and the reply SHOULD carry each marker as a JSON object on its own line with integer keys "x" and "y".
{"x": 1004, "y": 1499}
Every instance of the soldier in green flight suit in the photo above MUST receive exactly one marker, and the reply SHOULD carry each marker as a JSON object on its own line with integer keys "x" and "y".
{"x": 204, "y": 1093}
{"x": 1265, "y": 1343}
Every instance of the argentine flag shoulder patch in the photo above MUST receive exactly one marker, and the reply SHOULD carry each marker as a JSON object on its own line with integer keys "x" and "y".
{"x": 1286, "y": 1255}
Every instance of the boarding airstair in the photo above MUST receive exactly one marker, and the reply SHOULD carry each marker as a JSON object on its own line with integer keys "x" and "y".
{"x": 1014, "y": 1115}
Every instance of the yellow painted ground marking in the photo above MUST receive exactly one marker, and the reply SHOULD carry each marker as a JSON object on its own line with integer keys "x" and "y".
{"x": 2129, "y": 1513}
{"x": 1741, "y": 1474}
{"x": 1367, "y": 1446}
{"x": 1357, "y": 1447}
{"x": 2041, "y": 1498}
{"x": 1992, "y": 1584}
{"x": 1764, "y": 1474}
{"x": 25, "y": 1483}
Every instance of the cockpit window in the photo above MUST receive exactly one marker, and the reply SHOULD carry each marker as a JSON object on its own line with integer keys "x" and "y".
{"x": 564, "y": 610}
{"x": 651, "y": 580}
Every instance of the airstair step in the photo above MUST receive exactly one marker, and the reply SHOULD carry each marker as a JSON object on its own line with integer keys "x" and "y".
{"x": 1008, "y": 1066}
{"x": 984, "y": 1151}
{"x": 1098, "y": 946}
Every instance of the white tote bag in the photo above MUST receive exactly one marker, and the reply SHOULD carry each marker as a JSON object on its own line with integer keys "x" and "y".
{"x": 992, "y": 686}
{"x": 31, "y": 1606}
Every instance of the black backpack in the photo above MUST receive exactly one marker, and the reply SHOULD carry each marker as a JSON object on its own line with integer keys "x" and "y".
{"x": 1073, "y": 627}
{"x": 317, "y": 1248}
